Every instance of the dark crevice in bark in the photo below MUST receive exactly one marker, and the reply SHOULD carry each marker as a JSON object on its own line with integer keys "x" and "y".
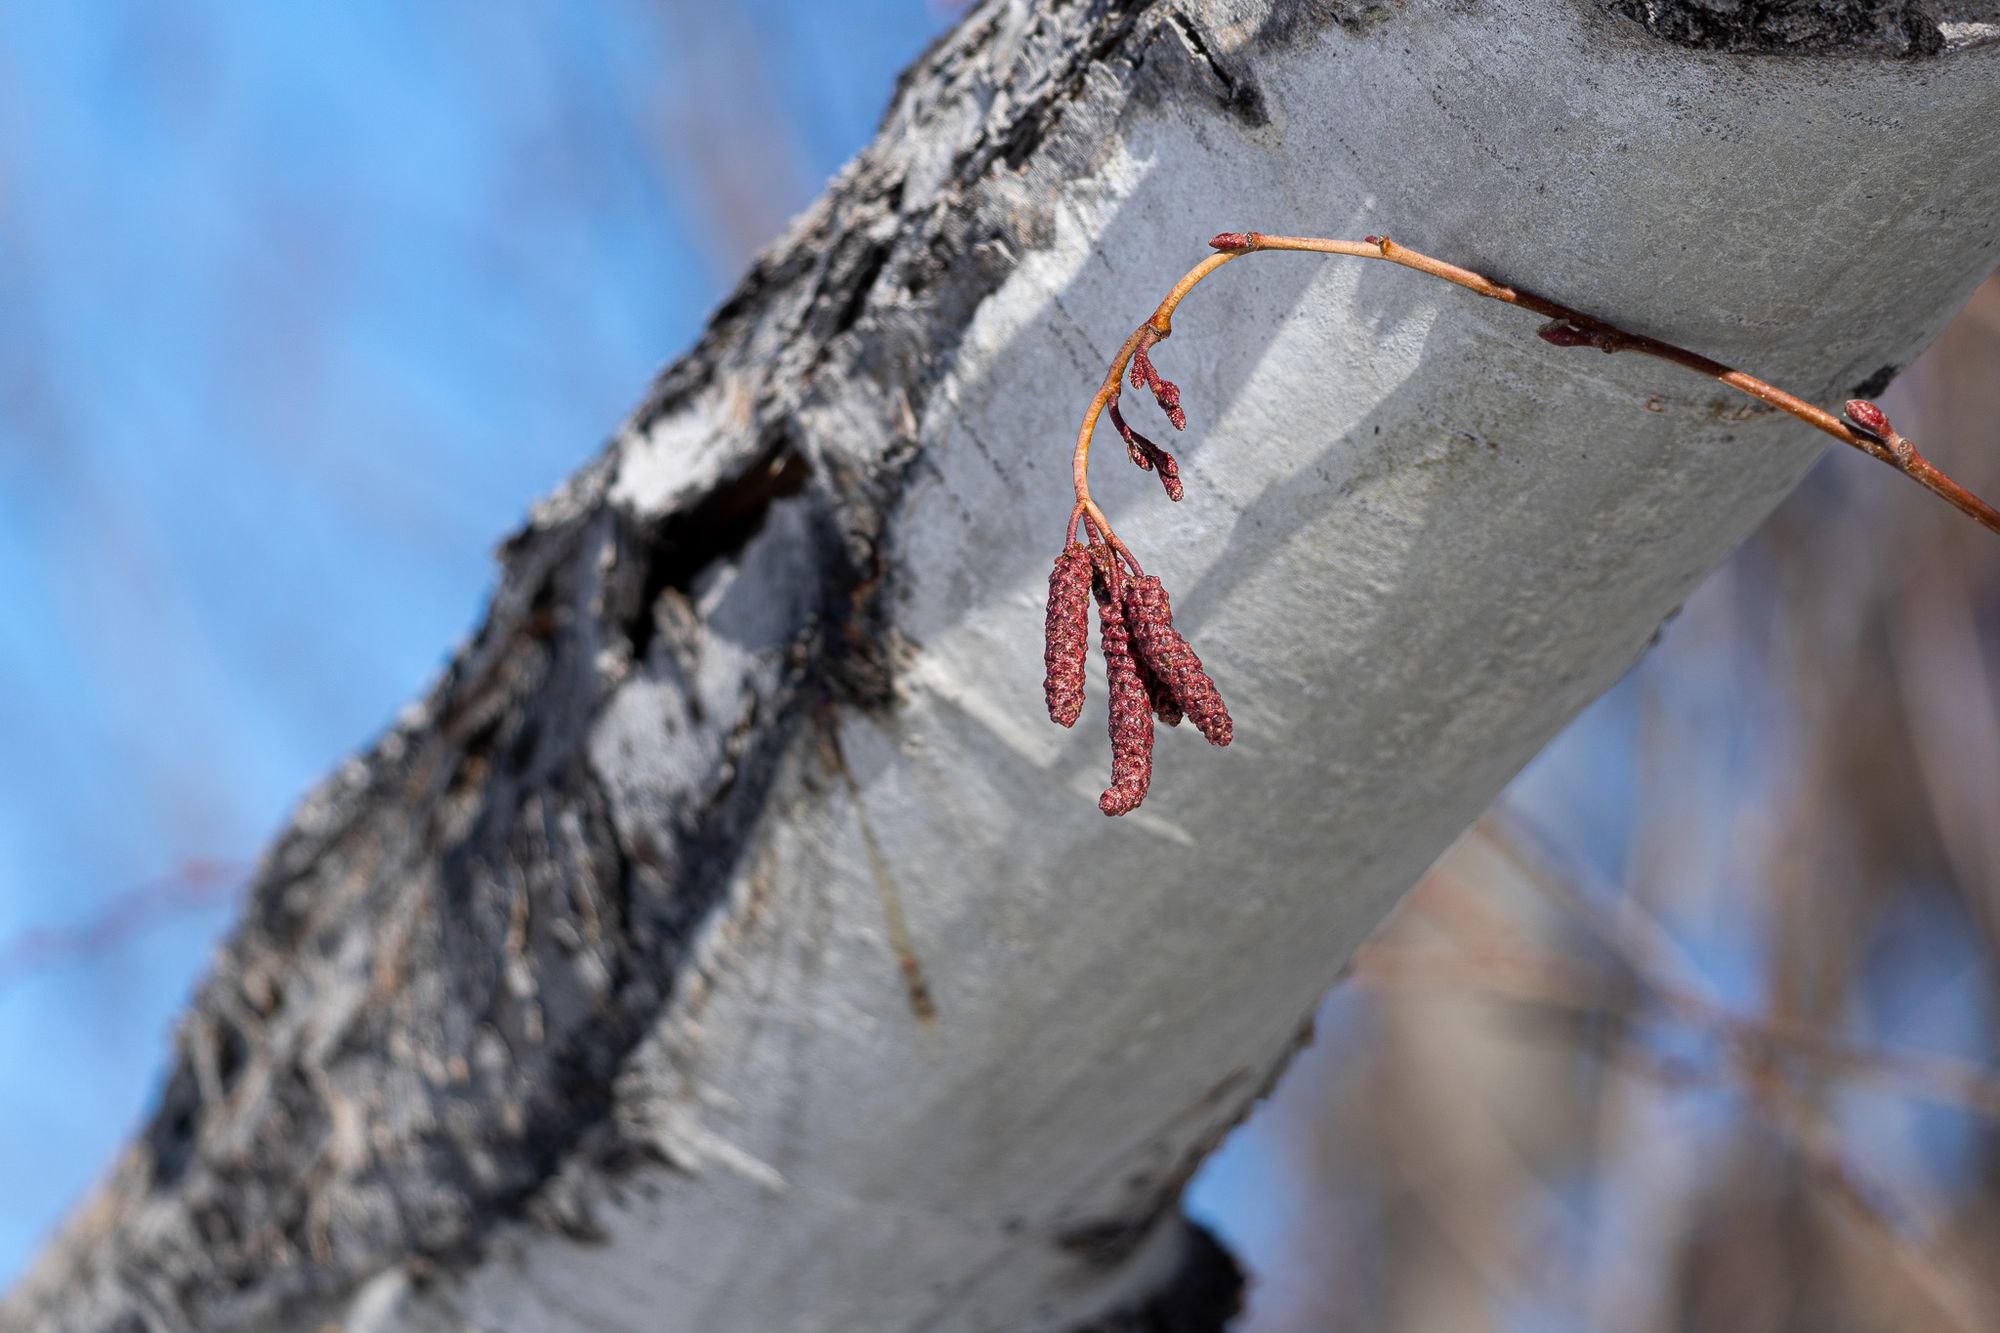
{"x": 1110, "y": 29}
{"x": 1241, "y": 97}
{"x": 1206, "y": 1288}
{"x": 868, "y": 267}
{"x": 1873, "y": 386}
{"x": 716, "y": 527}
{"x": 1289, "y": 22}
{"x": 1891, "y": 27}
{"x": 1201, "y": 1295}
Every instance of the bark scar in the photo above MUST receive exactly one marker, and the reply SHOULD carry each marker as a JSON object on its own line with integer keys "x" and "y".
{"x": 916, "y": 986}
{"x": 1241, "y": 97}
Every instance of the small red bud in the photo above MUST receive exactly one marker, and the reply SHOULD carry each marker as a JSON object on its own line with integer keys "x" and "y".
{"x": 1865, "y": 416}
{"x": 1137, "y": 447}
{"x": 1231, "y": 240}
{"x": 1168, "y": 394}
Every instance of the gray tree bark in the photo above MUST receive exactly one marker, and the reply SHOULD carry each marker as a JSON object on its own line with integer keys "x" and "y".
{"x": 728, "y": 943}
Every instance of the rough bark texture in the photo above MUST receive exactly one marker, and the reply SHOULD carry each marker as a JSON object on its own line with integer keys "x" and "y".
{"x": 1903, "y": 27}
{"x": 728, "y": 942}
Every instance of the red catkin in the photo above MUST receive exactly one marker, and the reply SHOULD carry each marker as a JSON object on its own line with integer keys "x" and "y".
{"x": 1067, "y": 644}
{"x": 1147, "y": 455}
{"x": 1131, "y": 723}
{"x": 1150, "y": 620}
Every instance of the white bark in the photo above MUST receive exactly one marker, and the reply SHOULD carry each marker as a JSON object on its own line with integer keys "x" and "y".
{"x": 579, "y": 1002}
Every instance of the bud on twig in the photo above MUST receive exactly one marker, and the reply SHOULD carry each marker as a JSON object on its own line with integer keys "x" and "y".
{"x": 1563, "y": 333}
{"x": 1163, "y": 389}
{"x": 1873, "y": 422}
{"x": 1137, "y": 447}
{"x": 1864, "y": 416}
{"x": 1147, "y": 455}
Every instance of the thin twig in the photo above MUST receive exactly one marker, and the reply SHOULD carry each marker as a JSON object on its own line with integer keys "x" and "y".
{"x": 1666, "y": 970}
{"x": 1867, "y": 430}
{"x": 1539, "y": 978}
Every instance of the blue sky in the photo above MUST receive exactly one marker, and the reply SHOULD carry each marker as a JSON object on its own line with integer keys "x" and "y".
{"x": 300, "y": 307}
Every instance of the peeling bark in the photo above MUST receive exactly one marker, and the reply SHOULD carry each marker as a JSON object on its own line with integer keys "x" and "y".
{"x": 724, "y": 944}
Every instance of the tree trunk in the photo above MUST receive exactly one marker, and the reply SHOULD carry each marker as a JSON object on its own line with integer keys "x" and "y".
{"x": 729, "y": 943}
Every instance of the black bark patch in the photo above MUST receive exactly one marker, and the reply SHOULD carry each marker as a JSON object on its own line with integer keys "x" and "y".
{"x": 1240, "y": 95}
{"x": 168, "y": 1140}
{"x": 1204, "y": 1292}
{"x": 715, "y": 528}
{"x": 1111, "y": 24}
{"x": 1892, "y": 27}
{"x": 1873, "y": 386}
{"x": 1106, "y": 1242}
{"x": 1289, "y": 23}
{"x": 867, "y": 269}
